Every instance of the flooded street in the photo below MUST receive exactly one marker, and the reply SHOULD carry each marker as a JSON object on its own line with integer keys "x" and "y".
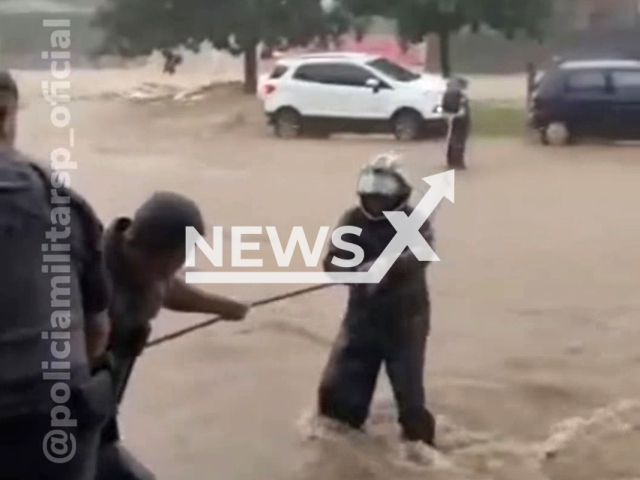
{"x": 535, "y": 317}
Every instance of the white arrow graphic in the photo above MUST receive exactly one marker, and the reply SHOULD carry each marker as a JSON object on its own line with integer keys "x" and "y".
{"x": 408, "y": 236}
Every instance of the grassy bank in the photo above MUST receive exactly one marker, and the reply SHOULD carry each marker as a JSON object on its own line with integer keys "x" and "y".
{"x": 494, "y": 119}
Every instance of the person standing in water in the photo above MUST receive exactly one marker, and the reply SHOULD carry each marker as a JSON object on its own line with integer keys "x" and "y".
{"x": 386, "y": 323}
{"x": 455, "y": 104}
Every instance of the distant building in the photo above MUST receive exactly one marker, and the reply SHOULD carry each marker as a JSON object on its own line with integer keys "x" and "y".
{"x": 597, "y": 14}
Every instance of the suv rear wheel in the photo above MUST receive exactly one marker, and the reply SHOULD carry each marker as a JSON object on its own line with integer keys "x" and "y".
{"x": 407, "y": 125}
{"x": 556, "y": 134}
{"x": 287, "y": 123}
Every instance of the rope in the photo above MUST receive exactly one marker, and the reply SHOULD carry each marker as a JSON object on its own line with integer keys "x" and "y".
{"x": 212, "y": 321}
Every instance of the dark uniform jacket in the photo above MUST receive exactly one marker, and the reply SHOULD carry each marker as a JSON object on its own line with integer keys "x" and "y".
{"x": 403, "y": 292}
{"x": 35, "y": 299}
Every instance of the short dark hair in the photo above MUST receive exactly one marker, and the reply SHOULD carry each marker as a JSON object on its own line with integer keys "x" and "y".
{"x": 8, "y": 96}
{"x": 159, "y": 225}
{"x": 8, "y": 85}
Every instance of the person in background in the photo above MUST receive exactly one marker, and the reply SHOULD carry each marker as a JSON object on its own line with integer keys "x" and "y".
{"x": 171, "y": 61}
{"x": 531, "y": 81}
{"x": 455, "y": 104}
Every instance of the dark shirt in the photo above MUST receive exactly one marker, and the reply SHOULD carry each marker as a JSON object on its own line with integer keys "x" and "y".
{"x": 402, "y": 292}
{"x": 131, "y": 308}
{"x": 133, "y": 305}
{"x": 452, "y": 99}
{"x": 37, "y": 300}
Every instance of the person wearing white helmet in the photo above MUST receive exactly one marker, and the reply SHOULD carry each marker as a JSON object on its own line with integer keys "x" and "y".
{"x": 386, "y": 323}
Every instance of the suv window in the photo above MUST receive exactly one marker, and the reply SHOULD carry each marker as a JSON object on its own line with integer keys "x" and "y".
{"x": 310, "y": 73}
{"x": 626, "y": 79}
{"x": 350, "y": 75}
{"x": 334, "y": 74}
{"x": 278, "y": 71}
{"x": 393, "y": 70}
{"x": 588, "y": 80}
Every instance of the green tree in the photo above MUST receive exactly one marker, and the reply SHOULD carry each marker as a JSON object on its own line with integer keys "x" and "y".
{"x": 417, "y": 19}
{"x": 137, "y": 27}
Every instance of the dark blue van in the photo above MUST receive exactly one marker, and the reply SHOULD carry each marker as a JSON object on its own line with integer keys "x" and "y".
{"x": 594, "y": 98}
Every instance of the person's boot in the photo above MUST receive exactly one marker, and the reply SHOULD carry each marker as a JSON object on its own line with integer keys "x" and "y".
{"x": 419, "y": 426}
{"x": 455, "y": 162}
{"x": 457, "y": 165}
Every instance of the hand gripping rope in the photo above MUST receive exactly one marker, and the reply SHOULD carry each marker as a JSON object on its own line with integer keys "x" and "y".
{"x": 212, "y": 321}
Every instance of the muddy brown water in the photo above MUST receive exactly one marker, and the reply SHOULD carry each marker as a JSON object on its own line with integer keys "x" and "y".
{"x": 535, "y": 300}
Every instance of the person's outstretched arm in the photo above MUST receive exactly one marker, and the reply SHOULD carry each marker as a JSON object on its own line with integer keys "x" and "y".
{"x": 182, "y": 297}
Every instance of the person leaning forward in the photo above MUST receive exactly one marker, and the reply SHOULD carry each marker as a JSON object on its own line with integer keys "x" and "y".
{"x": 143, "y": 254}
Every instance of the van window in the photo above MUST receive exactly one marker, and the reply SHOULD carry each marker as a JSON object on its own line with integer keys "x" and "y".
{"x": 537, "y": 79}
{"x": 548, "y": 84}
{"x": 626, "y": 79}
{"x": 587, "y": 81}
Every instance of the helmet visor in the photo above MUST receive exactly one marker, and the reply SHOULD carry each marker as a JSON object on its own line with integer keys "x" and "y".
{"x": 378, "y": 183}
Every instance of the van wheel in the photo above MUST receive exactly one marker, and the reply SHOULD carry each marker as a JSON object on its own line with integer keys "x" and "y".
{"x": 287, "y": 123}
{"x": 407, "y": 125}
{"x": 556, "y": 134}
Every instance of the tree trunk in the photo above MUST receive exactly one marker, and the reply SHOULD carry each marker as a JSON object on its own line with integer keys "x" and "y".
{"x": 427, "y": 56}
{"x": 432, "y": 53}
{"x": 445, "y": 53}
{"x": 251, "y": 69}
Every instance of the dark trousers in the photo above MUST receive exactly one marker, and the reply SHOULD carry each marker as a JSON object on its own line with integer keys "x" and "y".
{"x": 32, "y": 449}
{"x": 459, "y": 130}
{"x": 117, "y": 463}
{"x": 22, "y": 450}
{"x": 349, "y": 379}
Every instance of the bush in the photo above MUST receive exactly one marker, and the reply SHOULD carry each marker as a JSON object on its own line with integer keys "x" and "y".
{"x": 496, "y": 119}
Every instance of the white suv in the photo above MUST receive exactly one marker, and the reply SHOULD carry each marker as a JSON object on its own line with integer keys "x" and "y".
{"x": 350, "y": 92}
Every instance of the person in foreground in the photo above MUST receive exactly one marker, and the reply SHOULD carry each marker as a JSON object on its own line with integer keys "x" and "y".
{"x": 53, "y": 324}
{"x": 143, "y": 256}
{"x": 386, "y": 323}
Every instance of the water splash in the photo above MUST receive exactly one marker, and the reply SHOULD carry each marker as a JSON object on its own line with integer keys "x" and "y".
{"x": 341, "y": 452}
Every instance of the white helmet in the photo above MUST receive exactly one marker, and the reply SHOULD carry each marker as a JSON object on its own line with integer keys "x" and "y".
{"x": 383, "y": 176}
